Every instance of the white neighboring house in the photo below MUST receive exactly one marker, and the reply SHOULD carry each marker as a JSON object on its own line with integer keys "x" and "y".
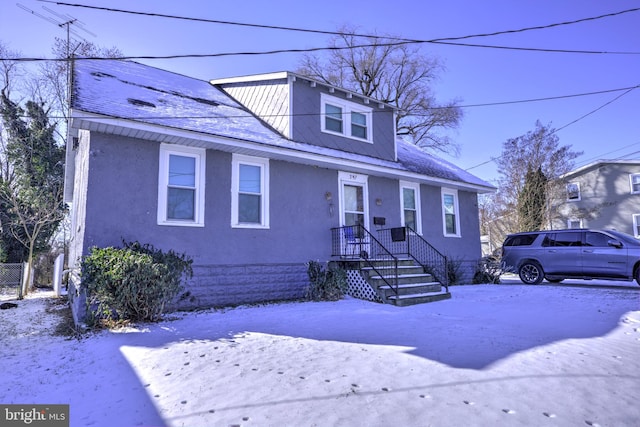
{"x": 602, "y": 195}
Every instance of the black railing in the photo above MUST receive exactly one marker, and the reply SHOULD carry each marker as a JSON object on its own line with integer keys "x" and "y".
{"x": 356, "y": 243}
{"x": 405, "y": 241}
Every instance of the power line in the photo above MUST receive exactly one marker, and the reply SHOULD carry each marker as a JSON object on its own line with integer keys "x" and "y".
{"x": 550, "y": 98}
{"x": 325, "y": 32}
{"x": 397, "y": 40}
{"x": 565, "y": 126}
{"x": 535, "y": 49}
{"x": 600, "y": 156}
{"x": 542, "y": 27}
{"x": 597, "y": 109}
{"x": 317, "y": 49}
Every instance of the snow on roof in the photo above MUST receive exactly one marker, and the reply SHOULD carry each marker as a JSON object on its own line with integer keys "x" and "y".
{"x": 417, "y": 160}
{"x": 125, "y": 89}
{"x": 598, "y": 163}
{"x": 133, "y": 91}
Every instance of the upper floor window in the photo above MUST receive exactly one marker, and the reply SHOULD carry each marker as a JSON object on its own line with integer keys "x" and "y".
{"x": 574, "y": 223}
{"x": 573, "y": 191}
{"x": 333, "y": 118}
{"x": 636, "y": 225}
{"x": 410, "y": 205}
{"x": 181, "y": 185}
{"x": 346, "y": 118}
{"x": 450, "y": 215}
{"x": 249, "y": 192}
{"x": 634, "y": 179}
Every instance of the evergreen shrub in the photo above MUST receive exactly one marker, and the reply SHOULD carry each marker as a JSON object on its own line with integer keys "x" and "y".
{"x": 328, "y": 284}
{"x": 133, "y": 283}
{"x": 488, "y": 270}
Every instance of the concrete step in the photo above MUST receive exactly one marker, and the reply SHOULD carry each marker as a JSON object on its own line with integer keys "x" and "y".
{"x": 390, "y": 271}
{"x": 406, "y": 300}
{"x": 404, "y": 279}
{"x": 411, "y": 289}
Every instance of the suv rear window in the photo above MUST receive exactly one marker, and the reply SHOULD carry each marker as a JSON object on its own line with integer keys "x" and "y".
{"x": 520, "y": 240}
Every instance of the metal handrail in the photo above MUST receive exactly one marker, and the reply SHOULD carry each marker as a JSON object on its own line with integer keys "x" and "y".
{"x": 357, "y": 243}
{"x": 405, "y": 241}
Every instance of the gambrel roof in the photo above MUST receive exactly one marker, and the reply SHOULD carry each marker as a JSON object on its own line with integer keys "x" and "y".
{"x": 135, "y": 100}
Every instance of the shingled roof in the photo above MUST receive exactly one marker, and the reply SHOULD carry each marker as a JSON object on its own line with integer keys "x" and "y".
{"x": 124, "y": 93}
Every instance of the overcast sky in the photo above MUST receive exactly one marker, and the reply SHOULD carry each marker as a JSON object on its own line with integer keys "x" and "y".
{"x": 473, "y": 75}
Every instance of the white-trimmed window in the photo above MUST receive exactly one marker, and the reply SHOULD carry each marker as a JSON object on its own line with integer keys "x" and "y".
{"x": 249, "y": 192}
{"x": 573, "y": 191}
{"x": 636, "y": 225}
{"x": 410, "y": 205}
{"x": 450, "y": 213}
{"x": 344, "y": 118}
{"x": 634, "y": 181}
{"x": 181, "y": 185}
{"x": 574, "y": 223}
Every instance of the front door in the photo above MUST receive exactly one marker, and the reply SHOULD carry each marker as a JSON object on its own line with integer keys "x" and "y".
{"x": 354, "y": 210}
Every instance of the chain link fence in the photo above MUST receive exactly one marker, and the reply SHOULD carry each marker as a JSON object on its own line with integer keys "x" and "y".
{"x": 10, "y": 280}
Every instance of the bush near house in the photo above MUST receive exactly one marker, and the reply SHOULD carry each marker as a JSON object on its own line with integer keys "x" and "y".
{"x": 328, "y": 284}
{"x": 133, "y": 283}
{"x": 488, "y": 270}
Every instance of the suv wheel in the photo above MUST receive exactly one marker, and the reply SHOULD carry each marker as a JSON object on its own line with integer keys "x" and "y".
{"x": 638, "y": 275}
{"x": 531, "y": 273}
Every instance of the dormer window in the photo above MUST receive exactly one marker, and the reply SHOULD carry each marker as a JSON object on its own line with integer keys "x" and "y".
{"x": 358, "y": 125}
{"x": 333, "y": 118}
{"x": 346, "y": 118}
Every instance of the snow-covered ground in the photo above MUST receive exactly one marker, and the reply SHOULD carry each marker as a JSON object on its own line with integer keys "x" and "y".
{"x": 504, "y": 355}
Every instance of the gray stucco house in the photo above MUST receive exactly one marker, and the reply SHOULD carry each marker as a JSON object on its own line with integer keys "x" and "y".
{"x": 604, "y": 194}
{"x": 252, "y": 177}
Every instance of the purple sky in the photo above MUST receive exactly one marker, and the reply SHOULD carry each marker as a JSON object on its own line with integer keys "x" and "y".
{"x": 472, "y": 75}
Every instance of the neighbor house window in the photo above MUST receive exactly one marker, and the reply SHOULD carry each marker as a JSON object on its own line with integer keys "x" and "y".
{"x": 450, "y": 216}
{"x": 181, "y": 185}
{"x": 636, "y": 225}
{"x": 574, "y": 223}
{"x": 410, "y": 205}
{"x": 634, "y": 178}
{"x": 346, "y": 118}
{"x": 249, "y": 192}
{"x": 573, "y": 191}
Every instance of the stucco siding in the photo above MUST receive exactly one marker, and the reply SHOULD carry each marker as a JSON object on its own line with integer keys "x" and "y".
{"x": 300, "y": 214}
{"x": 243, "y": 265}
{"x": 467, "y": 245}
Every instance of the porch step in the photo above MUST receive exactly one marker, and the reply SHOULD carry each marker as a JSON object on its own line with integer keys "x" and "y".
{"x": 406, "y": 300}
{"x": 411, "y": 289}
{"x": 403, "y": 279}
{"x": 414, "y": 285}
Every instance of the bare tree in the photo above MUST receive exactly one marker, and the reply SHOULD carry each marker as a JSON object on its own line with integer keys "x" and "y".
{"x": 35, "y": 213}
{"x": 537, "y": 150}
{"x": 394, "y": 73}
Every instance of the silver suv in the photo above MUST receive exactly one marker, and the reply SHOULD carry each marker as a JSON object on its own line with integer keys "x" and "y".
{"x": 556, "y": 255}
